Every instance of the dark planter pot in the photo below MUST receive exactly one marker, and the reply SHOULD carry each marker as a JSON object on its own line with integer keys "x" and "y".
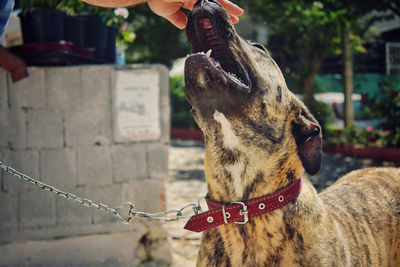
{"x": 96, "y": 34}
{"x": 40, "y": 26}
{"x": 109, "y": 55}
{"x": 75, "y": 31}
{"x": 375, "y": 153}
{"x": 191, "y": 134}
{"x": 344, "y": 149}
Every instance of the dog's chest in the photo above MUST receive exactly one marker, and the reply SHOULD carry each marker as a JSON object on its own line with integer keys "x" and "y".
{"x": 263, "y": 241}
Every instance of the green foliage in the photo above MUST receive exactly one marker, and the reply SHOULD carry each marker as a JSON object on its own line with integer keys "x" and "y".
{"x": 302, "y": 32}
{"x": 77, "y": 7}
{"x": 305, "y": 32}
{"x": 368, "y": 136}
{"x": 26, "y": 5}
{"x": 387, "y": 107}
{"x": 181, "y": 115}
{"x": 157, "y": 40}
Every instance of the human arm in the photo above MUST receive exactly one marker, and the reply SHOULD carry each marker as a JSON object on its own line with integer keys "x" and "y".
{"x": 169, "y": 9}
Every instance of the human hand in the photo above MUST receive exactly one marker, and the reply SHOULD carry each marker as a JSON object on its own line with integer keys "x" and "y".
{"x": 171, "y": 10}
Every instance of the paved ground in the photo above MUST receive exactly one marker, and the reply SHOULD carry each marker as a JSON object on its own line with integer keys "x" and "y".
{"x": 186, "y": 182}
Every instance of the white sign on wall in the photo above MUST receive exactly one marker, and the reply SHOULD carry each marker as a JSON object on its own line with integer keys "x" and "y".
{"x": 136, "y": 106}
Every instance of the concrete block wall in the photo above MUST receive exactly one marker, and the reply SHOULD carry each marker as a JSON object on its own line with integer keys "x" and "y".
{"x": 57, "y": 126}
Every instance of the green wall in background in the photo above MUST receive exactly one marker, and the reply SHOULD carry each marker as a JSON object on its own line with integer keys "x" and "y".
{"x": 363, "y": 83}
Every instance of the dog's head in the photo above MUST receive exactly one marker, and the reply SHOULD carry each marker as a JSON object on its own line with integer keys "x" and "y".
{"x": 239, "y": 95}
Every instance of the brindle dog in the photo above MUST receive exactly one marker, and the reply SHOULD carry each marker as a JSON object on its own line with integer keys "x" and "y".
{"x": 259, "y": 138}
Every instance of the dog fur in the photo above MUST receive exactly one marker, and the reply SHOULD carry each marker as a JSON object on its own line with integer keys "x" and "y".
{"x": 259, "y": 138}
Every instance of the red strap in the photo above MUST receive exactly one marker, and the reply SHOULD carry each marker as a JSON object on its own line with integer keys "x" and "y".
{"x": 239, "y": 212}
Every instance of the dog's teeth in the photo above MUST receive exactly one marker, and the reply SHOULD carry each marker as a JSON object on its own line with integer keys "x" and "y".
{"x": 208, "y": 54}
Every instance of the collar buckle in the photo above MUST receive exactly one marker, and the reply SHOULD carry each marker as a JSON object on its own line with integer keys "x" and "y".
{"x": 243, "y": 212}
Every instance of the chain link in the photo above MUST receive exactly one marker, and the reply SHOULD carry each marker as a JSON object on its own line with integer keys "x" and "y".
{"x": 167, "y": 215}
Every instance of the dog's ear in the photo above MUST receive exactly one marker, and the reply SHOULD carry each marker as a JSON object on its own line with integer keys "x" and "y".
{"x": 308, "y": 136}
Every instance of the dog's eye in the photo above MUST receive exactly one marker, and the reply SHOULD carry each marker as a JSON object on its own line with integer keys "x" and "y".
{"x": 260, "y": 46}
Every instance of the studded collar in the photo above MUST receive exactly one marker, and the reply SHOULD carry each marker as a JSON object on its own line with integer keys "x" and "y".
{"x": 240, "y": 212}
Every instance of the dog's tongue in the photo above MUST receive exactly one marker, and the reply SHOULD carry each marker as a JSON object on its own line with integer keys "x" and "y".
{"x": 205, "y": 23}
{"x": 211, "y": 42}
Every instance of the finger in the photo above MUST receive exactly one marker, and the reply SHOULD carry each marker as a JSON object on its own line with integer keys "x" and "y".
{"x": 114, "y": 4}
{"x": 178, "y": 18}
{"x": 188, "y": 5}
{"x": 232, "y": 8}
{"x": 162, "y": 8}
{"x": 234, "y": 18}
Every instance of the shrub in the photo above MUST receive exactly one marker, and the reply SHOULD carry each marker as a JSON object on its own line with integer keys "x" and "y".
{"x": 181, "y": 115}
{"x": 387, "y": 107}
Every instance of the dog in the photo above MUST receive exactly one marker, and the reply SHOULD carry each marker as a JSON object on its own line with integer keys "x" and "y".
{"x": 259, "y": 140}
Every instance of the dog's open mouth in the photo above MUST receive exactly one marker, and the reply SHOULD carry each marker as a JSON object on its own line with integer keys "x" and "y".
{"x": 216, "y": 46}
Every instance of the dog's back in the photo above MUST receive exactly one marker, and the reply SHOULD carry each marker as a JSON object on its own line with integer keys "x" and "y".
{"x": 365, "y": 204}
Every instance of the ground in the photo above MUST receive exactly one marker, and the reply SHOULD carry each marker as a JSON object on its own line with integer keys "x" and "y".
{"x": 186, "y": 183}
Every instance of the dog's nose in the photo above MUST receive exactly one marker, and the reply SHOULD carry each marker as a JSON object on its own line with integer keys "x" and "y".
{"x": 202, "y": 3}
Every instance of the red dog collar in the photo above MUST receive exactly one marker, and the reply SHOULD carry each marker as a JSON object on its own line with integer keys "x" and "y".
{"x": 240, "y": 212}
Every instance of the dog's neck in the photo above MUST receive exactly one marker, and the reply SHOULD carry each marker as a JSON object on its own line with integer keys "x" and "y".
{"x": 255, "y": 177}
{"x": 234, "y": 175}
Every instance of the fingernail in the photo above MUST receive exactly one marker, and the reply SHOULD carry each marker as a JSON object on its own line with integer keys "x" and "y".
{"x": 234, "y": 19}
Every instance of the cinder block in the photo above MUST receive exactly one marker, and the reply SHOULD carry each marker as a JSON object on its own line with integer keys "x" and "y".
{"x": 165, "y": 124}
{"x": 129, "y": 162}
{"x": 87, "y": 126}
{"x": 57, "y": 167}
{"x": 94, "y": 166}
{"x": 3, "y": 128}
{"x": 44, "y": 129}
{"x": 165, "y": 108}
{"x": 3, "y": 110}
{"x": 116, "y": 249}
{"x": 9, "y": 216}
{"x": 157, "y": 155}
{"x": 3, "y": 78}
{"x": 89, "y": 121}
{"x": 36, "y": 209}
{"x": 16, "y": 128}
{"x": 29, "y": 92}
{"x": 148, "y": 195}
{"x": 164, "y": 84}
{"x": 63, "y": 87}
{"x": 69, "y": 212}
{"x": 24, "y": 161}
{"x": 111, "y": 196}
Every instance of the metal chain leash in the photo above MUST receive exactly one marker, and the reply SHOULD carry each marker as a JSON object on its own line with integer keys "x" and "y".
{"x": 166, "y": 215}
